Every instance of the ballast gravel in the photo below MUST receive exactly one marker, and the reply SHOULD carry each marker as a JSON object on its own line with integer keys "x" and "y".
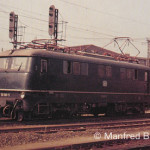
{"x": 10, "y": 140}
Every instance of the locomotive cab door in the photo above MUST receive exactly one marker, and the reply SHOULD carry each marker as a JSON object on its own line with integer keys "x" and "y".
{"x": 43, "y": 74}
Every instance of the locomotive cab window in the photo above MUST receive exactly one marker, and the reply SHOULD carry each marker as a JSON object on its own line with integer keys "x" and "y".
{"x": 43, "y": 65}
{"x": 67, "y": 67}
{"x": 4, "y": 63}
{"x": 19, "y": 63}
{"x": 15, "y": 63}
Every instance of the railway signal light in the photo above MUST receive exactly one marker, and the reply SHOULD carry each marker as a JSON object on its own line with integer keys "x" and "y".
{"x": 51, "y": 20}
{"x": 11, "y": 25}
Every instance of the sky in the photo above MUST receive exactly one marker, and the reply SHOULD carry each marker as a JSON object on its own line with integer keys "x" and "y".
{"x": 81, "y": 22}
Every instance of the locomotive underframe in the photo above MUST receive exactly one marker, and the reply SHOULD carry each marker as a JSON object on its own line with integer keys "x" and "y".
{"x": 56, "y": 104}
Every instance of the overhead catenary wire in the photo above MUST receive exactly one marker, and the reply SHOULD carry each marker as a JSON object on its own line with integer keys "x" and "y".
{"x": 44, "y": 20}
{"x": 104, "y": 13}
{"x": 77, "y": 26}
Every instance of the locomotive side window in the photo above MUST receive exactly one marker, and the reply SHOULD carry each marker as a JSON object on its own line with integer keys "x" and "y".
{"x": 84, "y": 69}
{"x": 146, "y": 76}
{"x": 67, "y": 67}
{"x": 101, "y": 71}
{"x": 108, "y": 71}
{"x": 122, "y": 73}
{"x": 43, "y": 65}
{"x": 129, "y": 73}
{"x": 104, "y": 71}
{"x": 76, "y": 68}
{"x": 135, "y": 74}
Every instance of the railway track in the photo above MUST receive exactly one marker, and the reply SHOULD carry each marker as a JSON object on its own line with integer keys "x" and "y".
{"x": 78, "y": 126}
{"x": 94, "y": 142}
{"x": 10, "y": 122}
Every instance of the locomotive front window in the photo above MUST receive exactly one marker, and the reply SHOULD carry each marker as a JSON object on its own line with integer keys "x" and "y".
{"x": 14, "y": 63}
{"x": 4, "y": 63}
{"x": 18, "y": 63}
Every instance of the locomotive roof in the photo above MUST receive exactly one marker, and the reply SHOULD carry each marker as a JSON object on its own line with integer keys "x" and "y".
{"x": 66, "y": 56}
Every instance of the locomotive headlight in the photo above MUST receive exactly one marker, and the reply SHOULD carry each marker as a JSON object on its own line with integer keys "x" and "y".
{"x": 22, "y": 95}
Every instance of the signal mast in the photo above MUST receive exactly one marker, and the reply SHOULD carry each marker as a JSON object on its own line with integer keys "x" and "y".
{"x": 13, "y": 24}
{"x": 39, "y": 43}
{"x": 53, "y": 23}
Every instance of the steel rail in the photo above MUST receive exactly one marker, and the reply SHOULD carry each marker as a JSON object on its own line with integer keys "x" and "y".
{"x": 77, "y": 126}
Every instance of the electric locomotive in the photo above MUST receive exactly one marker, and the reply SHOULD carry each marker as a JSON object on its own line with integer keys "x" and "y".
{"x": 39, "y": 83}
